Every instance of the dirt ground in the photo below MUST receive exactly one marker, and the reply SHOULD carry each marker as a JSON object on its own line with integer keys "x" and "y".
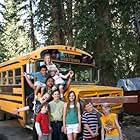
{"x": 131, "y": 127}
{"x": 10, "y": 130}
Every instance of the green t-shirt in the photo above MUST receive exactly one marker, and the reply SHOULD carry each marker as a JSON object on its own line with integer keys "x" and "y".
{"x": 72, "y": 116}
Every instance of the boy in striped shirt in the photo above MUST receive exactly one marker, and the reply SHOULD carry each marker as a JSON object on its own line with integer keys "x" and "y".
{"x": 90, "y": 122}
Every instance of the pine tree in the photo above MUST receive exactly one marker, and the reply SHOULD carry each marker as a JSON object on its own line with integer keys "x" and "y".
{"x": 15, "y": 36}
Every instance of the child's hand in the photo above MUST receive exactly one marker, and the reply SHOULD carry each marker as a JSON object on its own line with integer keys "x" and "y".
{"x": 94, "y": 135}
{"x": 121, "y": 138}
{"x": 25, "y": 74}
{"x": 79, "y": 128}
{"x": 71, "y": 74}
{"x": 107, "y": 129}
{"x": 50, "y": 128}
{"x": 40, "y": 135}
{"x": 97, "y": 133}
{"x": 64, "y": 129}
{"x": 15, "y": 111}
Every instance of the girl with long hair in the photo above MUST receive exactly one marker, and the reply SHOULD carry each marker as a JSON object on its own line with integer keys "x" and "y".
{"x": 71, "y": 117}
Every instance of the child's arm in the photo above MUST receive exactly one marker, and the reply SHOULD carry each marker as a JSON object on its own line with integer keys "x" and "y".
{"x": 64, "y": 117}
{"x": 89, "y": 129}
{"x": 97, "y": 129}
{"x": 102, "y": 133}
{"x": 66, "y": 75}
{"x": 38, "y": 129}
{"x": 29, "y": 81}
{"x": 15, "y": 111}
{"x": 119, "y": 128}
{"x": 68, "y": 82}
{"x": 79, "y": 116}
{"x": 50, "y": 128}
{"x": 37, "y": 124}
{"x": 33, "y": 74}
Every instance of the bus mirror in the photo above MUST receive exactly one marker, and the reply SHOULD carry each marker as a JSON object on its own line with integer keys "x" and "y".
{"x": 98, "y": 75}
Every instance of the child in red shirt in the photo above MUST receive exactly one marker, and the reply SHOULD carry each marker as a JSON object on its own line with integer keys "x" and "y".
{"x": 42, "y": 123}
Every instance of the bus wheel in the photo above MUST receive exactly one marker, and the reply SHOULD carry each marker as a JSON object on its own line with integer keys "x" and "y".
{"x": 2, "y": 115}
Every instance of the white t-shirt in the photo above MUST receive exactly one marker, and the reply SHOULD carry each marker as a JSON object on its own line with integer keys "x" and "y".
{"x": 58, "y": 79}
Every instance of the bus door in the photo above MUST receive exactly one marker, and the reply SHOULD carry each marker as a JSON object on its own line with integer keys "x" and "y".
{"x": 29, "y": 92}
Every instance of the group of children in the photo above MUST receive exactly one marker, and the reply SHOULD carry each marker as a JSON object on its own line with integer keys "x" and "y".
{"x": 58, "y": 118}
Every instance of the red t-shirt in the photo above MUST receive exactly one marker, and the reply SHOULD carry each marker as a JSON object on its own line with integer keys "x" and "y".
{"x": 43, "y": 120}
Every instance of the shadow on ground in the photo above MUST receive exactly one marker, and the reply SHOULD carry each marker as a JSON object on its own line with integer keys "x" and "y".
{"x": 3, "y": 137}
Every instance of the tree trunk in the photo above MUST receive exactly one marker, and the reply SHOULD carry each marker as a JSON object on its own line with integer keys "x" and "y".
{"x": 57, "y": 19}
{"x": 32, "y": 26}
{"x": 68, "y": 26}
{"x": 102, "y": 43}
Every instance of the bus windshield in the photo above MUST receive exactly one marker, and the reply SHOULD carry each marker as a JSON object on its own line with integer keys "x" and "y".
{"x": 83, "y": 73}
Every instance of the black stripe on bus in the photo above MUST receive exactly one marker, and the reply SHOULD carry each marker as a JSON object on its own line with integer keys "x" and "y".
{"x": 11, "y": 94}
{"x": 14, "y": 101}
{"x": 9, "y": 88}
{"x": 19, "y": 95}
{"x": 9, "y": 64}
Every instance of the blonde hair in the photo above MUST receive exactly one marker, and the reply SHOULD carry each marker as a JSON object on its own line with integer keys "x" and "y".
{"x": 50, "y": 58}
{"x": 106, "y": 105}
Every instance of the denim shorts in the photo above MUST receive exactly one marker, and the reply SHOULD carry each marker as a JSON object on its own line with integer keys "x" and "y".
{"x": 112, "y": 138}
{"x": 44, "y": 137}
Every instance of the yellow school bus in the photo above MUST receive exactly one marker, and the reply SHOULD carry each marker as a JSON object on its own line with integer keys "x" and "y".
{"x": 15, "y": 91}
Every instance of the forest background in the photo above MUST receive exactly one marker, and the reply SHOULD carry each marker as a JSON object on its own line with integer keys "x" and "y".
{"x": 108, "y": 29}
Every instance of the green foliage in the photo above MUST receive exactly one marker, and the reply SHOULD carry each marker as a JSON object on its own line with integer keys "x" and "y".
{"x": 104, "y": 27}
{"x": 15, "y": 37}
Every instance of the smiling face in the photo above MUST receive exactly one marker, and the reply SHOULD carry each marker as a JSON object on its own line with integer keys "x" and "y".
{"x": 52, "y": 73}
{"x": 89, "y": 107}
{"x": 50, "y": 82}
{"x": 56, "y": 95}
{"x": 72, "y": 97}
{"x": 43, "y": 71}
{"x": 106, "y": 108}
{"x": 47, "y": 59}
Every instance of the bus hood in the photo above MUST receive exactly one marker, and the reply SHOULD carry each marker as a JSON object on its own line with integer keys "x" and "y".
{"x": 94, "y": 91}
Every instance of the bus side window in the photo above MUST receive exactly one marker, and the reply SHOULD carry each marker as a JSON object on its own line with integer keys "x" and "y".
{"x": 30, "y": 67}
{"x": 18, "y": 76}
{"x": 4, "y": 78}
{"x": 10, "y": 77}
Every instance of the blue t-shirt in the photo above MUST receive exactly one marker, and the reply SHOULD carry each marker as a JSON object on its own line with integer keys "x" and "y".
{"x": 39, "y": 76}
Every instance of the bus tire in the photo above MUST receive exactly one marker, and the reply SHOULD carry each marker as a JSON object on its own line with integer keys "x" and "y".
{"x": 2, "y": 115}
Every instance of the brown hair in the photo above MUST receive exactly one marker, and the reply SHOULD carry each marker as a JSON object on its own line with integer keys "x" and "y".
{"x": 75, "y": 102}
{"x": 43, "y": 104}
{"x": 85, "y": 102}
